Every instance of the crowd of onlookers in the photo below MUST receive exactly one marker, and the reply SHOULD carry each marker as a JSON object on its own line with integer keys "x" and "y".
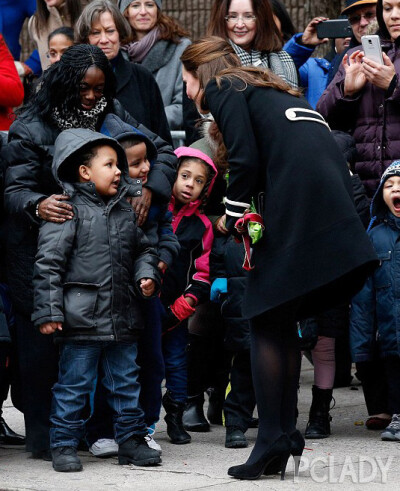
{"x": 115, "y": 248}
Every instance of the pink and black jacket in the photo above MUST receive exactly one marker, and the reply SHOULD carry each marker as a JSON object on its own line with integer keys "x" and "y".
{"x": 190, "y": 273}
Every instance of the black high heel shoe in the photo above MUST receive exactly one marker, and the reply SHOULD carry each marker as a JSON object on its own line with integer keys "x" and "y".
{"x": 297, "y": 443}
{"x": 278, "y": 453}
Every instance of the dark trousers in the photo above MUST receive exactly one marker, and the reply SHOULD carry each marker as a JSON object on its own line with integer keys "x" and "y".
{"x": 174, "y": 345}
{"x": 240, "y": 401}
{"x": 373, "y": 379}
{"x": 392, "y": 367}
{"x": 151, "y": 361}
{"x": 38, "y": 364}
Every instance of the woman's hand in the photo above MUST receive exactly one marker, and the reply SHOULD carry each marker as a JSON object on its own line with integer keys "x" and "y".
{"x": 147, "y": 286}
{"x": 310, "y": 37}
{"x": 50, "y": 327}
{"x": 355, "y": 78}
{"x": 142, "y": 205}
{"x": 219, "y": 225}
{"x": 377, "y": 74}
{"x": 54, "y": 209}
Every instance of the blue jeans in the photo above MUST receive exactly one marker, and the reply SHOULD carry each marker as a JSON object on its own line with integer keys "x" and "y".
{"x": 175, "y": 359}
{"x": 76, "y": 381}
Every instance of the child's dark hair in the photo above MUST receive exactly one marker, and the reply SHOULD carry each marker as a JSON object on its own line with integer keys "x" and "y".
{"x": 70, "y": 168}
{"x": 130, "y": 142}
{"x": 68, "y": 32}
{"x": 204, "y": 193}
{"x": 59, "y": 86}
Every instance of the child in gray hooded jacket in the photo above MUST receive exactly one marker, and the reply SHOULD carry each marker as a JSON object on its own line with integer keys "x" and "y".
{"x": 88, "y": 273}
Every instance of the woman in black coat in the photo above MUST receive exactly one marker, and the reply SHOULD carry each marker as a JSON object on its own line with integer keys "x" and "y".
{"x": 314, "y": 252}
{"x": 78, "y": 91}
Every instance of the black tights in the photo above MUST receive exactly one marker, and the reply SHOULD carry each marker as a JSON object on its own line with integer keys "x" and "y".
{"x": 275, "y": 359}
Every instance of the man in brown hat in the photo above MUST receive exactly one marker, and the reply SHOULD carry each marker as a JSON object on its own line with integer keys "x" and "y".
{"x": 360, "y": 14}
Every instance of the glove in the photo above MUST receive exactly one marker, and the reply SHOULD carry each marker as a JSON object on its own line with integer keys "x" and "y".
{"x": 176, "y": 313}
{"x": 220, "y": 285}
{"x": 169, "y": 321}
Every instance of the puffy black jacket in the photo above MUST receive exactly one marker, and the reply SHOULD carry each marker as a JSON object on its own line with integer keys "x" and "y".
{"x": 87, "y": 269}
{"x": 29, "y": 179}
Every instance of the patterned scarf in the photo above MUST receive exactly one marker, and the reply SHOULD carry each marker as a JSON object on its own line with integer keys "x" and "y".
{"x": 138, "y": 50}
{"x": 281, "y": 63}
{"x": 79, "y": 118}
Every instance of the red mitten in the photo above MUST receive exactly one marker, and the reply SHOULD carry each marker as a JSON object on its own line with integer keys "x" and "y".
{"x": 181, "y": 309}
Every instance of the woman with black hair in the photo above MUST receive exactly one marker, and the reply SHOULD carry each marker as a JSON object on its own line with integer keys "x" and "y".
{"x": 76, "y": 92}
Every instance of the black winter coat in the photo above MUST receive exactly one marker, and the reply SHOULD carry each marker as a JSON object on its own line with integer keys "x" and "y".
{"x": 226, "y": 262}
{"x": 138, "y": 92}
{"x": 87, "y": 269}
{"x": 314, "y": 246}
{"x": 29, "y": 179}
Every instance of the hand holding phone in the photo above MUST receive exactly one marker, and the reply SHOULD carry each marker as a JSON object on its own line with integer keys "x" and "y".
{"x": 335, "y": 28}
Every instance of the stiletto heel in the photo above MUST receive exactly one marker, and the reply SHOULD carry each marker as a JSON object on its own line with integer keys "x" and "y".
{"x": 277, "y": 454}
{"x": 297, "y": 460}
{"x": 296, "y": 450}
{"x": 284, "y": 460}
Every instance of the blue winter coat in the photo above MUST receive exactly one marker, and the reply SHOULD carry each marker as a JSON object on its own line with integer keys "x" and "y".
{"x": 375, "y": 309}
{"x": 314, "y": 78}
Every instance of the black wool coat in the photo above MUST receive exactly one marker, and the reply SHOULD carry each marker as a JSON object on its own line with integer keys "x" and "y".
{"x": 282, "y": 153}
{"x": 138, "y": 92}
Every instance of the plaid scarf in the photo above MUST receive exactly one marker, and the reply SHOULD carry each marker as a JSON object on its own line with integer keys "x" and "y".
{"x": 281, "y": 63}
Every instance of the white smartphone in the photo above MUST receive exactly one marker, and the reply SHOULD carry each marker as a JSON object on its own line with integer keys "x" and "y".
{"x": 372, "y": 48}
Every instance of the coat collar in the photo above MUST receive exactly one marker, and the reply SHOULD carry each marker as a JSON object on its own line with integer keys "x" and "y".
{"x": 122, "y": 70}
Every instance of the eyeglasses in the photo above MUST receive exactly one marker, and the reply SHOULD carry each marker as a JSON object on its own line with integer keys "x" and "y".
{"x": 355, "y": 19}
{"x": 234, "y": 18}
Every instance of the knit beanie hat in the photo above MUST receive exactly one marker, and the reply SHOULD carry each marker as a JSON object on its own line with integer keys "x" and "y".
{"x": 124, "y": 4}
{"x": 378, "y": 206}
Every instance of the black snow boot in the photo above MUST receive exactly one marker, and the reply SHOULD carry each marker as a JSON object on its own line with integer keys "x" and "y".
{"x": 318, "y": 425}
{"x": 173, "y": 418}
{"x": 216, "y": 399}
{"x": 193, "y": 416}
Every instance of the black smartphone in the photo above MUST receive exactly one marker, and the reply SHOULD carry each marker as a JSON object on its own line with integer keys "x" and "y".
{"x": 335, "y": 28}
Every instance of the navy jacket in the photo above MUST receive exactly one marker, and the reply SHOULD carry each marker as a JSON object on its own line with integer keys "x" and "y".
{"x": 375, "y": 309}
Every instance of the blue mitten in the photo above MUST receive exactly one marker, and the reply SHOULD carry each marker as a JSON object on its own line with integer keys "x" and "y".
{"x": 219, "y": 286}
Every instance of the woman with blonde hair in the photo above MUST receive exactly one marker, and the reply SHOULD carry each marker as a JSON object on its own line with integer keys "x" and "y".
{"x": 286, "y": 161}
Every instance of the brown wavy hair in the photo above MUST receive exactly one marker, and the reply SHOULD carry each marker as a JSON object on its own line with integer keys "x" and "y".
{"x": 213, "y": 57}
{"x": 42, "y": 14}
{"x": 267, "y": 36}
{"x": 170, "y": 29}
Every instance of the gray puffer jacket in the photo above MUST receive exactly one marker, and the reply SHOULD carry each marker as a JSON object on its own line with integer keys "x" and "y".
{"x": 87, "y": 270}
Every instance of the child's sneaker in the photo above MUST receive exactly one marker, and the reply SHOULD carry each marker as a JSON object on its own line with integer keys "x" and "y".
{"x": 104, "y": 447}
{"x": 65, "y": 459}
{"x": 392, "y": 432}
{"x": 151, "y": 443}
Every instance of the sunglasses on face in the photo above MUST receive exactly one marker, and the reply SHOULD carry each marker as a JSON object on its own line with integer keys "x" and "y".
{"x": 355, "y": 19}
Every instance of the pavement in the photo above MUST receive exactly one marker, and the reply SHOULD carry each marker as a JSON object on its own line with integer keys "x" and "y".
{"x": 353, "y": 458}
